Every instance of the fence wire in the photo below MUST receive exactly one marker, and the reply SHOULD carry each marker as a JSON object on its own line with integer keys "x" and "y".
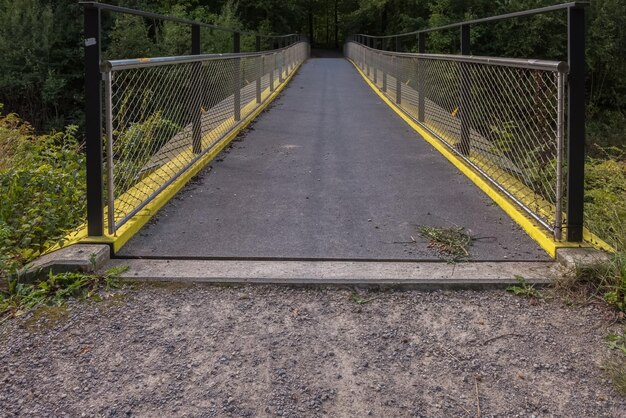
{"x": 503, "y": 116}
{"x": 163, "y": 114}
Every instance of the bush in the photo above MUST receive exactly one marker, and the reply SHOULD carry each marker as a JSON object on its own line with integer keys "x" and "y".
{"x": 605, "y": 194}
{"x": 42, "y": 179}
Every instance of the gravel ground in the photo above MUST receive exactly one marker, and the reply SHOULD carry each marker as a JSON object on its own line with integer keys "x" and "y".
{"x": 300, "y": 352}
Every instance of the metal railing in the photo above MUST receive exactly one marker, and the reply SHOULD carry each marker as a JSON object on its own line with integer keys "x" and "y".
{"x": 502, "y": 116}
{"x": 478, "y": 91}
{"x": 163, "y": 114}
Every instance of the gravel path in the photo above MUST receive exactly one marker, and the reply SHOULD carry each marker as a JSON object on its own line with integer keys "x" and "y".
{"x": 300, "y": 352}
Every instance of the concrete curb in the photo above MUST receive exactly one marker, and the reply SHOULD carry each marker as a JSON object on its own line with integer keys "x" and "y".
{"x": 419, "y": 275}
{"x": 573, "y": 258}
{"x": 78, "y": 257}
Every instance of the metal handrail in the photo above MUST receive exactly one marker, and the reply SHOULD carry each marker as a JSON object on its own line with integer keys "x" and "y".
{"x": 126, "y": 64}
{"x": 444, "y": 108}
{"x": 535, "y": 64}
{"x": 496, "y": 18}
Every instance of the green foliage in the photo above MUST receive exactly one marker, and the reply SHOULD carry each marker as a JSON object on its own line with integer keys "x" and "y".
{"x": 41, "y": 61}
{"x": 55, "y": 289}
{"x": 616, "y": 341}
{"x": 525, "y": 289}
{"x": 43, "y": 190}
{"x": 152, "y": 133}
{"x": 606, "y": 279}
{"x": 129, "y": 38}
{"x": 605, "y": 194}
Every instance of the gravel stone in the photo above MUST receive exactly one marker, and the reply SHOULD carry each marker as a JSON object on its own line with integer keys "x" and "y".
{"x": 206, "y": 351}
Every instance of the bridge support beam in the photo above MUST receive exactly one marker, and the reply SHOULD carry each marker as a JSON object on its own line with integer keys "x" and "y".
{"x": 93, "y": 122}
{"x": 576, "y": 123}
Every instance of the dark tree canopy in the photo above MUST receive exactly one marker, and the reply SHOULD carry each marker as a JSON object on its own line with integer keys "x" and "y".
{"x": 41, "y": 55}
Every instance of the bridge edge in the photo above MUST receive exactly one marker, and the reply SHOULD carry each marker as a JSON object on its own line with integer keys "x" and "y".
{"x": 532, "y": 229}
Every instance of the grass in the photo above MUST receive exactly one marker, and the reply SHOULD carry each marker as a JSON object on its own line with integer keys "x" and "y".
{"x": 605, "y": 280}
{"x": 616, "y": 366}
{"x": 452, "y": 244}
{"x": 21, "y": 298}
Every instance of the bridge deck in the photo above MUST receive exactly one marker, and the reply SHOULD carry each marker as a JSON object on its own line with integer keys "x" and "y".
{"x": 329, "y": 172}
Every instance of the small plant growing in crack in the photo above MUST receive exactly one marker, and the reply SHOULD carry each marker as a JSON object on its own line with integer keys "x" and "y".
{"x": 358, "y": 299}
{"x": 525, "y": 289}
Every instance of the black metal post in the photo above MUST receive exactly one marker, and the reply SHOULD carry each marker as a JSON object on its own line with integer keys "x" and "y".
{"x": 196, "y": 106}
{"x": 93, "y": 123}
{"x": 421, "y": 77}
{"x": 237, "y": 77}
{"x": 466, "y": 94}
{"x": 195, "y": 40}
{"x": 397, "y": 70}
{"x": 576, "y": 123}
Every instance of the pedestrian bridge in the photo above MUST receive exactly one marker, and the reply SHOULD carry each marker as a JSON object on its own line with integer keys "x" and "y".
{"x": 276, "y": 155}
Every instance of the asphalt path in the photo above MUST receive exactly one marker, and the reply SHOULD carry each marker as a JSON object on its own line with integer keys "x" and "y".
{"x": 328, "y": 172}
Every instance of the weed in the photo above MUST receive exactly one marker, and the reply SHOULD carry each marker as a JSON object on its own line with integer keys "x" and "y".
{"x": 358, "y": 299}
{"x": 42, "y": 190}
{"x": 616, "y": 341}
{"x": 605, "y": 194}
{"x": 452, "y": 244}
{"x": 20, "y": 298}
{"x": 606, "y": 279}
{"x": 525, "y": 289}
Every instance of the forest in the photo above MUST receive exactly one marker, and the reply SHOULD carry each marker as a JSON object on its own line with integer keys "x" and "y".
{"x": 41, "y": 85}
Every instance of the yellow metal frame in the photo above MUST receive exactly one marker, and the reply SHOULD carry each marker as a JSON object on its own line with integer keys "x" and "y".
{"x": 529, "y": 225}
{"x": 130, "y": 228}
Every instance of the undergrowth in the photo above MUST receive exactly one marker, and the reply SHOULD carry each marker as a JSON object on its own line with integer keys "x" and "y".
{"x": 42, "y": 182}
{"x": 605, "y": 280}
{"x": 605, "y": 196}
{"x": 19, "y": 298}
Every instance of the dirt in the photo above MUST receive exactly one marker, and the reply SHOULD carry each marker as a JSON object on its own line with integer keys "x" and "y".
{"x": 307, "y": 352}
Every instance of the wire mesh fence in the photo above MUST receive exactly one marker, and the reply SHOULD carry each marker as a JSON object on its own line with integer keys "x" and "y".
{"x": 163, "y": 114}
{"x": 505, "y": 117}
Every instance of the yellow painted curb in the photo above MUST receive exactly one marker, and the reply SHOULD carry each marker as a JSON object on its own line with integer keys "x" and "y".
{"x": 130, "y": 228}
{"x": 529, "y": 225}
